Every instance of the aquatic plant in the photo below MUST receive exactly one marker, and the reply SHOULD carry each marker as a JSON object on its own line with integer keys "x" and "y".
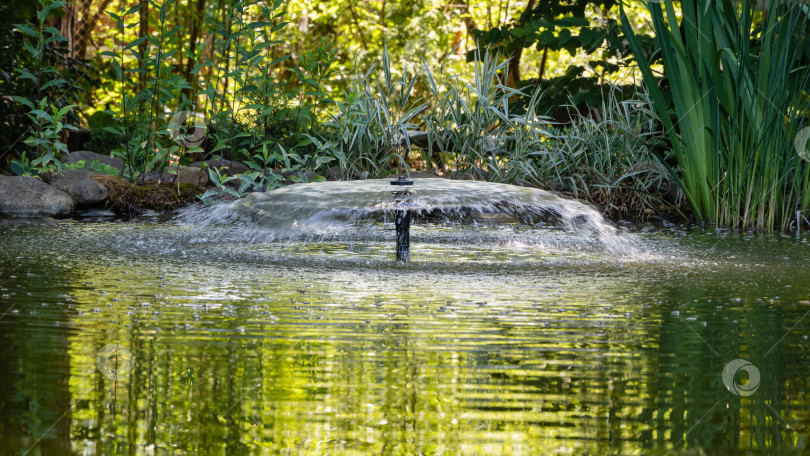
{"x": 368, "y": 134}
{"x": 738, "y": 82}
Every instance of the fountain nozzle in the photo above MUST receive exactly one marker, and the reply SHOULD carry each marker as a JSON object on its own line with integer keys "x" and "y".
{"x": 402, "y": 220}
{"x": 402, "y": 181}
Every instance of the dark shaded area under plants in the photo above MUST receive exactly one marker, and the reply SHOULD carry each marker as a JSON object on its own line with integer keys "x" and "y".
{"x": 128, "y": 198}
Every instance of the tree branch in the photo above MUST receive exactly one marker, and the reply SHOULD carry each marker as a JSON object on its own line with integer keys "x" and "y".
{"x": 514, "y": 61}
{"x": 357, "y": 24}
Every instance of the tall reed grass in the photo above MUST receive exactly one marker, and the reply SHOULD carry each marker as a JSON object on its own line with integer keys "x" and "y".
{"x": 371, "y": 126}
{"x": 738, "y": 86}
{"x": 472, "y": 129}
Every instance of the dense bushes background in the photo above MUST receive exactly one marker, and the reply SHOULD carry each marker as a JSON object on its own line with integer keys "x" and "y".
{"x": 285, "y": 89}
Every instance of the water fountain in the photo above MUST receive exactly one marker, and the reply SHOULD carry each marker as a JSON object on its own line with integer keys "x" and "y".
{"x": 288, "y": 309}
{"x": 447, "y": 212}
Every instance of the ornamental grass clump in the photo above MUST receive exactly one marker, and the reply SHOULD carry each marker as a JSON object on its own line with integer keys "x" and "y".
{"x": 609, "y": 158}
{"x": 472, "y": 130}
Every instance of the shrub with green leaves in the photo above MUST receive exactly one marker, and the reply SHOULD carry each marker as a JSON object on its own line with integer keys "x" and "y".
{"x": 47, "y": 120}
{"x": 46, "y": 136}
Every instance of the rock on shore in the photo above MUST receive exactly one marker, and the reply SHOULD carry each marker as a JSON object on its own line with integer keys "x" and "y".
{"x": 30, "y": 197}
{"x": 79, "y": 185}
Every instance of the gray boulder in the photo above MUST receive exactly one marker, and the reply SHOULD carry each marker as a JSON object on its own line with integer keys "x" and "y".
{"x": 29, "y": 197}
{"x": 79, "y": 184}
{"x": 334, "y": 174}
{"x": 232, "y": 167}
{"x": 88, "y": 156}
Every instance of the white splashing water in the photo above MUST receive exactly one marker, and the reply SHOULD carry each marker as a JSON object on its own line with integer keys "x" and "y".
{"x": 443, "y": 211}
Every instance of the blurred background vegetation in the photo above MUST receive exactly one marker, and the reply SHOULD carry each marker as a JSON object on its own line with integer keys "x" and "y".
{"x": 294, "y": 85}
{"x": 533, "y": 92}
{"x": 546, "y": 40}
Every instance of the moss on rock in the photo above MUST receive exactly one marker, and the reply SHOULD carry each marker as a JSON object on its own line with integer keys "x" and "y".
{"x": 125, "y": 195}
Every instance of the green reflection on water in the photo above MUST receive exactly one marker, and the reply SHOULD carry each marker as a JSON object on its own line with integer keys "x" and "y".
{"x": 246, "y": 348}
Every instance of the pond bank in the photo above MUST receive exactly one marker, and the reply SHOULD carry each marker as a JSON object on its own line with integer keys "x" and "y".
{"x": 90, "y": 184}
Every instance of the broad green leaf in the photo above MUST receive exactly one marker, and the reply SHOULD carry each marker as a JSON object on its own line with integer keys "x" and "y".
{"x": 280, "y": 59}
{"x": 26, "y": 29}
{"x": 23, "y": 101}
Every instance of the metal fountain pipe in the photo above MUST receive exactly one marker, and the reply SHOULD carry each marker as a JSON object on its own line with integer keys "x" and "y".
{"x": 402, "y": 219}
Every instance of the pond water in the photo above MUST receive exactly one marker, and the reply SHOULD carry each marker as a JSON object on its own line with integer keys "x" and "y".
{"x": 519, "y": 341}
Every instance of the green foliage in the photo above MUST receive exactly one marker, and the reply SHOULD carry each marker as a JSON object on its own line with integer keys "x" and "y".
{"x": 261, "y": 176}
{"x": 149, "y": 87}
{"x": 81, "y": 164}
{"x": 739, "y": 97}
{"x": 472, "y": 133}
{"x": 269, "y": 101}
{"x": 554, "y": 25}
{"x": 14, "y": 54}
{"x": 564, "y": 25}
{"x": 47, "y": 120}
{"x": 360, "y": 31}
{"x": 476, "y": 132}
{"x": 97, "y": 165}
{"x": 611, "y": 160}
{"x": 315, "y": 68}
{"x": 23, "y": 167}
{"x": 221, "y": 190}
{"x": 45, "y": 138}
{"x": 371, "y": 124}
